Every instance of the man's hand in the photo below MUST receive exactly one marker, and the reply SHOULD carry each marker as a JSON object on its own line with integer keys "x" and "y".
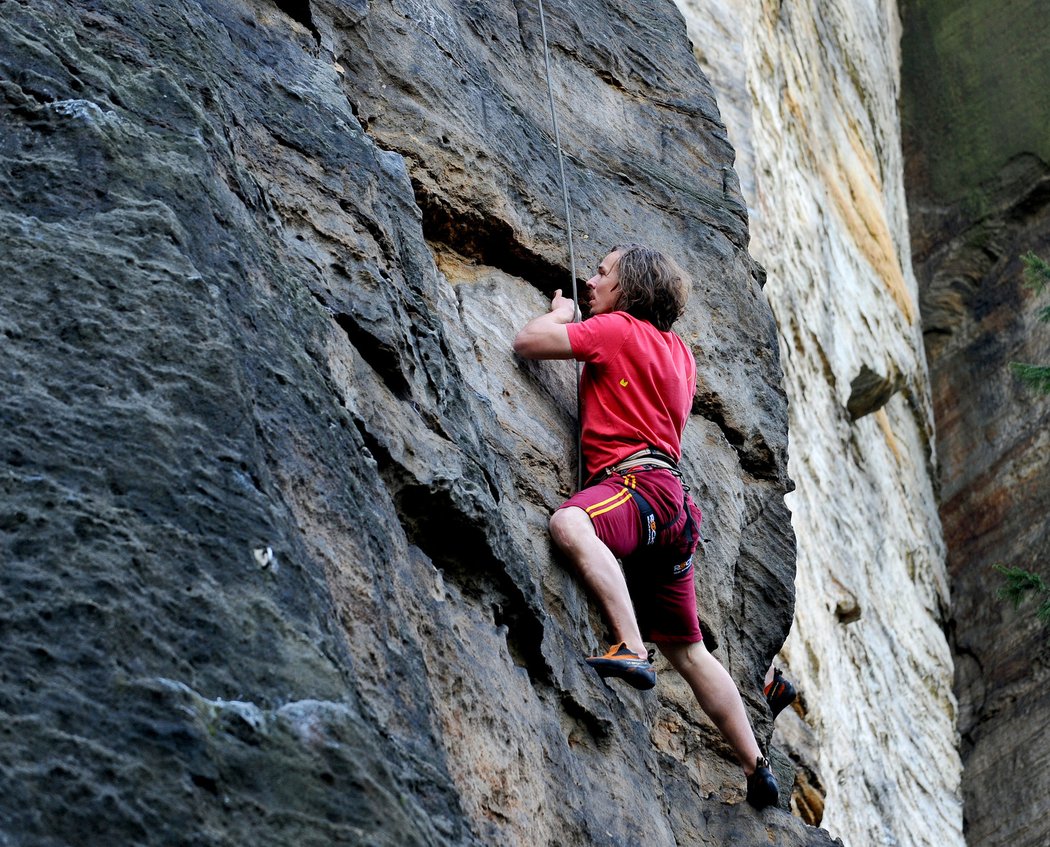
{"x": 564, "y": 306}
{"x": 546, "y": 337}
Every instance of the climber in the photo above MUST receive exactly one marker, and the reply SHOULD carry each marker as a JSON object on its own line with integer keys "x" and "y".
{"x": 636, "y": 392}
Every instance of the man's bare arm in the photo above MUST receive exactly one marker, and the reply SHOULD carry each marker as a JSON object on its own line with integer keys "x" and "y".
{"x": 545, "y": 337}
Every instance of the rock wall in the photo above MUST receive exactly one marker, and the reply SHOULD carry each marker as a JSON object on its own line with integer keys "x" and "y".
{"x": 979, "y": 195}
{"x": 275, "y": 489}
{"x": 809, "y": 95}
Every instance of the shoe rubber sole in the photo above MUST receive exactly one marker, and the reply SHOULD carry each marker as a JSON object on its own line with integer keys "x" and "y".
{"x": 621, "y": 663}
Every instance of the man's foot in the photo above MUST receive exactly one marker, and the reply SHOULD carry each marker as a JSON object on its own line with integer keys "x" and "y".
{"x": 780, "y": 693}
{"x": 623, "y": 664}
{"x": 762, "y": 788}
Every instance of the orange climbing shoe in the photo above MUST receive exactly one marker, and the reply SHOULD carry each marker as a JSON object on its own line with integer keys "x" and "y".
{"x": 780, "y": 693}
{"x": 762, "y": 788}
{"x": 623, "y": 664}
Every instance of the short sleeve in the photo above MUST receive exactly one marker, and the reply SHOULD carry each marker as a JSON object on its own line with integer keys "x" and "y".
{"x": 599, "y": 338}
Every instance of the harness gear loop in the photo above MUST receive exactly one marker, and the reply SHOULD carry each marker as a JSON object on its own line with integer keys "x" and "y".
{"x": 572, "y": 254}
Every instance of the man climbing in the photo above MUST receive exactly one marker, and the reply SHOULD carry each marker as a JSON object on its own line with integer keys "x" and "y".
{"x": 636, "y": 392}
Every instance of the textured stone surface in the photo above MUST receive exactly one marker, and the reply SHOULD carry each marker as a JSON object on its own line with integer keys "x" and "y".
{"x": 976, "y": 73}
{"x": 809, "y": 93}
{"x": 980, "y": 198}
{"x": 274, "y": 487}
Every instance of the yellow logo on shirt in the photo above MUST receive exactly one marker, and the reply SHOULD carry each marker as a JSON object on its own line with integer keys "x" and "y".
{"x": 623, "y": 382}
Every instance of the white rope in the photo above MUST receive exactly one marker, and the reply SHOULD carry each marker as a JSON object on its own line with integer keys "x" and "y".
{"x": 561, "y": 163}
{"x": 572, "y": 254}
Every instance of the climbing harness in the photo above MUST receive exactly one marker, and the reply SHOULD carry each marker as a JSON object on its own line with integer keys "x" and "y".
{"x": 572, "y": 255}
{"x": 650, "y": 459}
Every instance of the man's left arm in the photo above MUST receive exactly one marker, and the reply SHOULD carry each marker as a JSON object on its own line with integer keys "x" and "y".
{"x": 546, "y": 336}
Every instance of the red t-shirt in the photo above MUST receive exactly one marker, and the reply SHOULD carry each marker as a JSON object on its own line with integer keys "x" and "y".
{"x": 636, "y": 388}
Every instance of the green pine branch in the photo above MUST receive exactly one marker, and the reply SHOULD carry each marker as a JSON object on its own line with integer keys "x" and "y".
{"x": 1037, "y": 376}
{"x": 1020, "y": 585}
{"x": 1036, "y": 277}
{"x": 1036, "y": 272}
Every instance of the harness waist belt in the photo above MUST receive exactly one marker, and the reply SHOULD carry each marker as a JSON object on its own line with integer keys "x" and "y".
{"x": 645, "y": 457}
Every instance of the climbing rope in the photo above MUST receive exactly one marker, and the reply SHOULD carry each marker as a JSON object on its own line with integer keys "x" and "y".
{"x": 561, "y": 163}
{"x": 572, "y": 254}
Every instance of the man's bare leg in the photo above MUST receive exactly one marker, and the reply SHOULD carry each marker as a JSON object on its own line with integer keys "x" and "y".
{"x": 718, "y": 696}
{"x": 572, "y": 530}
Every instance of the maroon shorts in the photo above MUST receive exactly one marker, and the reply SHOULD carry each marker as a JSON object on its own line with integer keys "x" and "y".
{"x": 651, "y": 524}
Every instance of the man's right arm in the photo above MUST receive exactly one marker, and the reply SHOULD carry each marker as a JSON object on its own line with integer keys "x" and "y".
{"x": 546, "y": 336}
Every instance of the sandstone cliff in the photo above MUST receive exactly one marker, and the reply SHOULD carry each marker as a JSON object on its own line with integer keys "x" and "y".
{"x": 275, "y": 568}
{"x": 809, "y": 94}
{"x": 974, "y": 109}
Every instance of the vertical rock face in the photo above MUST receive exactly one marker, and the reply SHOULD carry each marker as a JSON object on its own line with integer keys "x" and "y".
{"x": 980, "y": 199}
{"x": 275, "y": 489}
{"x": 809, "y": 92}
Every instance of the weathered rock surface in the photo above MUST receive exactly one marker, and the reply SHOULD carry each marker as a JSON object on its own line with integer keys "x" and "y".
{"x": 275, "y": 567}
{"x": 809, "y": 92}
{"x": 979, "y": 195}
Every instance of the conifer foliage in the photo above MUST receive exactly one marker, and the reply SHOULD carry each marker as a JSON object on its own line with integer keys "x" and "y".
{"x": 1019, "y": 584}
{"x": 1036, "y": 277}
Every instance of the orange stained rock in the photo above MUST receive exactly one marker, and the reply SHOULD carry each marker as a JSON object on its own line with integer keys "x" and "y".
{"x": 856, "y": 190}
{"x": 883, "y": 420}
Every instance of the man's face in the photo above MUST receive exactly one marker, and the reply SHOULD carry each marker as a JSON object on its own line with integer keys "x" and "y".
{"x": 604, "y": 286}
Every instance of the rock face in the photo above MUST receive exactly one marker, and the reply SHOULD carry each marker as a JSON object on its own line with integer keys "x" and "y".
{"x": 980, "y": 199}
{"x": 275, "y": 489}
{"x": 808, "y": 92}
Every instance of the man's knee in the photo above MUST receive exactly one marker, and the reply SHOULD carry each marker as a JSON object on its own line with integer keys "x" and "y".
{"x": 686, "y": 657}
{"x": 566, "y": 525}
